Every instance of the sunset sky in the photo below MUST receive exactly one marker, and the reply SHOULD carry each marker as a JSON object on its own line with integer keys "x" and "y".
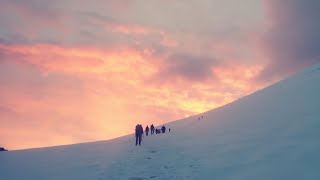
{"x": 76, "y": 71}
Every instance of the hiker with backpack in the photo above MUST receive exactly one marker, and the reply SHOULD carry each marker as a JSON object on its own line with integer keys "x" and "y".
{"x": 139, "y": 133}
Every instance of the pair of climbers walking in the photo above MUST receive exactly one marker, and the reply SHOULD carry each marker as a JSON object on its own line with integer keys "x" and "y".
{"x": 161, "y": 130}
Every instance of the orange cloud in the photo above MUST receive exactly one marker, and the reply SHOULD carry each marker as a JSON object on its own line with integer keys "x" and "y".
{"x": 84, "y": 93}
{"x": 239, "y": 76}
{"x": 79, "y": 61}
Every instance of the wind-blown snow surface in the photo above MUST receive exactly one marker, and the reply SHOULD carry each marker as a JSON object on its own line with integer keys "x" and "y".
{"x": 271, "y": 134}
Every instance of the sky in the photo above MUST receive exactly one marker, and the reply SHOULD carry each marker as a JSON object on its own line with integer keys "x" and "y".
{"x": 77, "y": 71}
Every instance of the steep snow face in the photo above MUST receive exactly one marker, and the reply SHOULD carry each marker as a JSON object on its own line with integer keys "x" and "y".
{"x": 271, "y": 134}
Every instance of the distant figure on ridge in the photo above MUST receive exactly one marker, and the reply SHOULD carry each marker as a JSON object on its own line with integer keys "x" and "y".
{"x": 147, "y": 130}
{"x": 139, "y": 132}
{"x": 152, "y": 129}
{"x": 163, "y": 129}
{"x": 3, "y": 149}
{"x": 169, "y": 129}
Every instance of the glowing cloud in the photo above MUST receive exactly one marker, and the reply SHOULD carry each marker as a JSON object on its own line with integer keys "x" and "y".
{"x": 75, "y": 71}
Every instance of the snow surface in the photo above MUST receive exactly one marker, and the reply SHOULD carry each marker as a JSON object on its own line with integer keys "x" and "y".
{"x": 271, "y": 134}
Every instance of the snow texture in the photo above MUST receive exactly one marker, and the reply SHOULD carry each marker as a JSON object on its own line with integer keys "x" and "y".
{"x": 271, "y": 134}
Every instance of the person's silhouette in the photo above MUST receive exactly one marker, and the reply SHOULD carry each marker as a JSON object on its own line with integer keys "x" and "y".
{"x": 147, "y": 130}
{"x": 139, "y": 132}
{"x": 163, "y": 129}
{"x": 152, "y": 129}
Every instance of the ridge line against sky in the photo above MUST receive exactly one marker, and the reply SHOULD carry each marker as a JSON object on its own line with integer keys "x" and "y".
{"x": 80, "y": 71}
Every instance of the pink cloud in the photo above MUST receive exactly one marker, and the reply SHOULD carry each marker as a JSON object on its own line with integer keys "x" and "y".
{"x": 136, "y": 29}
{"x": 76, "y": 94}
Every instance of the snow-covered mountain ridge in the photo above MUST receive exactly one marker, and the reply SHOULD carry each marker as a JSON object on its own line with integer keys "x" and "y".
{"x": 271, "y": 134}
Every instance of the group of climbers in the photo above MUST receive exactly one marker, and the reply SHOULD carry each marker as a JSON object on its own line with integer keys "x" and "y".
{"x": 152, "y": 129}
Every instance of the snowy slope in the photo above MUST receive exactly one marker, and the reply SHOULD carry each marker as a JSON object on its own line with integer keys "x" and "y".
{"x": 271, "y": 134}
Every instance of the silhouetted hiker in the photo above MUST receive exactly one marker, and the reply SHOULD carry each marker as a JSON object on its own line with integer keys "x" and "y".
{"x": 147, "y": 130}
{"x": 152, "y": 129}
{"x": 3, "y": 149}
{"x": 157, "y": 131}
{"x": 163, "y": 129}
{"x": 169, "y": 129}
{"x": 139, "y": 132}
